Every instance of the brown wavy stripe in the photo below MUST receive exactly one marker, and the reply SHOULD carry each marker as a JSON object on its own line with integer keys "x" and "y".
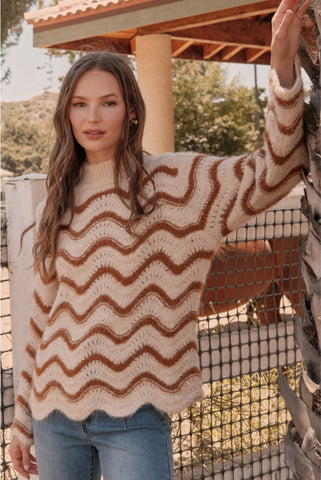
{"x": 26, "y": 376}
{"x": 280, "y": 160}
{"x": 117, "y": 367}
{"x": 268, "y": 188}
{"x": 30, "y": 351}
{"x": 144, "y": 376}
{"x": 19, "y": 426}
{"x": 238, "y": 171}
{"x": 288, "y": 131}
{"x": 80, "y": 208}
{"x": 44, "y": 308}
{"x": 251, "y": 162}
{"x": 184, "y": 199}
{"x": 23, "y": 404}
{"x": 35, "y": 328}
{"x": 198, "y": 225}
{"x": 105, "y": 299}
{"x": 246, "y": 199}
{"x": 170, "y": 171}
{"x": 107, "y": 215}
{"x": 176, "y": 269}
{"x": 124, "y": 194}
{"x": 119, "y": 339}
{"x": 287, "y": 103}
{"x": 224, "y": 229}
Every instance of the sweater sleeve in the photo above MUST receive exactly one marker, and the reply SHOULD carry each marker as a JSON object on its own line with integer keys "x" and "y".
{"x": 244, "y": 186}
{"x": 43, "y": 297}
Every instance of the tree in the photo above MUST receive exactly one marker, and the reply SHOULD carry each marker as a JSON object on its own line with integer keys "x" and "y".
{"x": 11, "y": 27}
{"x": 12, "y": 15}
{"x": 205, "y": 106}
{"x": 303, "y": 442}
{"x": 27, "y": 134}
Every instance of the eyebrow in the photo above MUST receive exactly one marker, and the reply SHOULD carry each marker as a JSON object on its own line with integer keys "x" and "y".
{"x": 100, "y": 98}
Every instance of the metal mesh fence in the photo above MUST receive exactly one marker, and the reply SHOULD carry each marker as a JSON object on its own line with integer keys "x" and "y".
{"x": 6, "y": 377}
{"x": 245, "y": 334}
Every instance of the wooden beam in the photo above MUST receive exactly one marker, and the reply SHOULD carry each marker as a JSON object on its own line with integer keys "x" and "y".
{"x": 179, "y": 47}
{"x": 210, "y": 50}
{"x": 253, "y": 54}
{"x": 247, "y": 33}
{"x": 229, "y": 52}
{"x": 133, "y": 45}
{"x": 195, "y": 52}
{"x": 97, "y": 44}
{"x": 229, "y": 14}
{"x": 240, "y": 57}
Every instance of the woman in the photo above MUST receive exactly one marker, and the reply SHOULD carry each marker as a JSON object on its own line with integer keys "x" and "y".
{"x": 124, "y": 244}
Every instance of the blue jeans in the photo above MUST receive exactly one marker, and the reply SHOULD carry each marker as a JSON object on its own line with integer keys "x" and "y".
{"x": 138, "y": 447}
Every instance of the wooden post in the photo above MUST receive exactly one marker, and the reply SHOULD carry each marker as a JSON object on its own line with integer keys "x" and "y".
{"x": 23, "y": 194}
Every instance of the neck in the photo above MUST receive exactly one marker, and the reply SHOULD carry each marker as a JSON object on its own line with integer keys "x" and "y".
{"x": 95, "y": 173}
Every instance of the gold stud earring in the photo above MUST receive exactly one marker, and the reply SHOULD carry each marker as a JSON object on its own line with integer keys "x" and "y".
{"x": 133, "y": 122}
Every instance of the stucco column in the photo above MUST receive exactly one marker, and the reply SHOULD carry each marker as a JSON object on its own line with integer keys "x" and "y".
{"x": 154, "y": 71}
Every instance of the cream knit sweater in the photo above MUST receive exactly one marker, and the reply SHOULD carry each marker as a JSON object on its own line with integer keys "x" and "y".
{"x": 117, "y": 328}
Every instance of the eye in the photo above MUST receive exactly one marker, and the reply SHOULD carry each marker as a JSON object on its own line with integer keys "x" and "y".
{"x": 79, "y": 104}
{"x": 110, "y": 103}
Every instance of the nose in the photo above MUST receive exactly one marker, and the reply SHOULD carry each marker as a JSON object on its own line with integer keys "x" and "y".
{"x": 93, "y": 114}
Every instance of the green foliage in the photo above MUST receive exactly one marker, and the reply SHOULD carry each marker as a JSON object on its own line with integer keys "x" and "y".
{"x": 212, "y": 116}
{"x": 11, "y": 28}
{"x": 27, "y": 134}
{"x": 11, "y": 19}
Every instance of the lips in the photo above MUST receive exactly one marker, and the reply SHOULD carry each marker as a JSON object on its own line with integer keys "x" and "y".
{"x": 94, "y": 134}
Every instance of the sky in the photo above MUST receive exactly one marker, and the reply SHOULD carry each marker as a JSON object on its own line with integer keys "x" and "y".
{"x": 29, "y": 77}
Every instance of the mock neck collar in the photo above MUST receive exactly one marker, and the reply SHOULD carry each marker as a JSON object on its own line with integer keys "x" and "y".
{"x": 96, "y": 173}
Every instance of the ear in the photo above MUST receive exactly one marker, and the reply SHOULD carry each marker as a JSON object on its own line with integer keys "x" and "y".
{"x": 132, "y": 114}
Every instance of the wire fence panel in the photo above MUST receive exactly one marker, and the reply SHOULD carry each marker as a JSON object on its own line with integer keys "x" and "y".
{"x": 7, "y": 399}
{"x": 245, "y": 333}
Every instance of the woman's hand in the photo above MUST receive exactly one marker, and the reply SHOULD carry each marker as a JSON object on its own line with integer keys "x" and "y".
{"x": 286, "y": 27}
{"x": 22, "y": 460}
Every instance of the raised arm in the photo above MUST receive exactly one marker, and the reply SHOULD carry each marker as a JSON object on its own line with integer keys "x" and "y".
{"x": 242, "y": 187}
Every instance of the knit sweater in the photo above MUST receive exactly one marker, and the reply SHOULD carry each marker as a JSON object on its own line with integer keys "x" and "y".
{"x": 116, "y": 329}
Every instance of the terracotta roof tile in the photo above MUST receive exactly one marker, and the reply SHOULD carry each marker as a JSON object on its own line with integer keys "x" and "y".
{"x": 69, "y": 7}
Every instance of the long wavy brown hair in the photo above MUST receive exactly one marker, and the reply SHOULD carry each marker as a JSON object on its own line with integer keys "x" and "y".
{"x": 68, "y": 157}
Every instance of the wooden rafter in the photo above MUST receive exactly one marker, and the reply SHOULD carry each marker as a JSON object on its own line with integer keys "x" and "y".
{"x": 180, "y": 46}
{"x": 210, "y": 50}
{"x": 246, "y": 33}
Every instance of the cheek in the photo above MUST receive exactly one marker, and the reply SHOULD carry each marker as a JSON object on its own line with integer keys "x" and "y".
{"x": 121, "y": 120}
{"x": 73, "y": 120}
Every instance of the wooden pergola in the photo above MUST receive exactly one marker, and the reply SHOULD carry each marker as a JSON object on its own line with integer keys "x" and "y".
{"x": 156, "y": 31}
{"x": 223, "y": 31}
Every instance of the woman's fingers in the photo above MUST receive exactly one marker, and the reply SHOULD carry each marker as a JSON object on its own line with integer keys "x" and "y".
{"x": 302, "y": 10}
{"x": 285, "y": 9}
{"x": 286, "y": 28}
{"x": 22, "y": 460}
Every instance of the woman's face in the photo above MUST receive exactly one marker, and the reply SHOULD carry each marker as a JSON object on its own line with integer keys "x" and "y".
{"x": 97, "y": 113}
